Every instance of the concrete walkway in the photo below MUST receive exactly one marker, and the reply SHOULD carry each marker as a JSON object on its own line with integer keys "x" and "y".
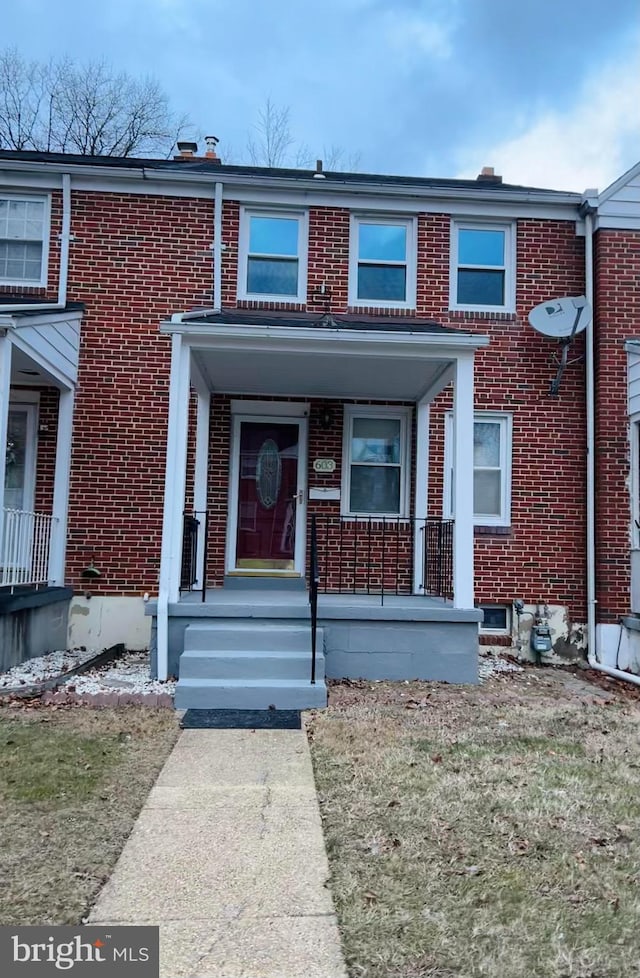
{"x": 227, "y": 857}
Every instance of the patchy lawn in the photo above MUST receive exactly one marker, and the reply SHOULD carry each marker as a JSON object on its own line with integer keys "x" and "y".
{"x": 488, "y": 831}
{"x": 72, "y": 782}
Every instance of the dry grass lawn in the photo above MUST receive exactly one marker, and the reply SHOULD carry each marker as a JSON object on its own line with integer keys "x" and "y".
{"x": 490, "y": 831}
{"x": 72, "y": 781}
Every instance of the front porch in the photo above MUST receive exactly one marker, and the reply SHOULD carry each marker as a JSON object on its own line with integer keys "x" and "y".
{"x": 38, "y": 373}
{"x": 307, "y": 459}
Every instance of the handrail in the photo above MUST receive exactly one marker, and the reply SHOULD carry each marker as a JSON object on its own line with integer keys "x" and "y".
{"x": 313, "y": 594}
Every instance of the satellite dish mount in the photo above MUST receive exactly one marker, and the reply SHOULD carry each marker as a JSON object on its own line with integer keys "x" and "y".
{"x": 561, "y": 319}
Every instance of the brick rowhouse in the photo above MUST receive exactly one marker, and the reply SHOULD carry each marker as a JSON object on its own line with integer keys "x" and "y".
{"x": 137, "y": 258}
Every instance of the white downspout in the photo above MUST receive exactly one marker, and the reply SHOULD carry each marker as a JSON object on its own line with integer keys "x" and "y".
{"x": 217, "y": 248}
{"x": 592, "y": 653}
{"x": 65, "y": 238}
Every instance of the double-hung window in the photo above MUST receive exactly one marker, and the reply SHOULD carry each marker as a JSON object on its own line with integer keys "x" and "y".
{"x": 375, "y": 461}
{"x": 272, "y": 262}
{"x": 24, "y": 235}
{"x": 382, "y": 270}
{"x": 482, "y": 273}
{"x": 491, "y": 469}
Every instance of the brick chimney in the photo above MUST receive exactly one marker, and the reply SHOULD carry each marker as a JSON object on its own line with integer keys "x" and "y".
{"x": 488, "y": 175}
{"x": 186, "y": 151}
{"x": 189, "y": 151}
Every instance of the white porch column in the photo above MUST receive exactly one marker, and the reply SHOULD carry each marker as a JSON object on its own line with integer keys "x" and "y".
{"x": 463, "y": 483}
{"x": 5, "y": 384}
{"x": 61, "y": 488}
{"x": 421, "y": 488}
{"x": 200, "y": 481}
{"x": 174, "y": 490}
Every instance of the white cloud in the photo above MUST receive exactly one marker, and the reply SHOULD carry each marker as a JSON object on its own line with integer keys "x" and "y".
{"x": 415, "y": 36}
{"x": 588, "y": 145}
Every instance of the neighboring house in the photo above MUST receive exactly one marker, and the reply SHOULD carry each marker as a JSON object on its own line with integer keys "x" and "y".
{"x": 265, "y": 351}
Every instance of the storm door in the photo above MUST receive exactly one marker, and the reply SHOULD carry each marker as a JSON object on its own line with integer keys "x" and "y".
{"x": 267, "y": 500}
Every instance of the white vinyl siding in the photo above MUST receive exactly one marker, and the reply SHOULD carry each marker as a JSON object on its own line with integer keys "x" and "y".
{"x": 24, "y": 239}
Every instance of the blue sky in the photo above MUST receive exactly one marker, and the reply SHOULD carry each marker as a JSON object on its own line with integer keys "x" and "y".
{"x": 546, "y": 91}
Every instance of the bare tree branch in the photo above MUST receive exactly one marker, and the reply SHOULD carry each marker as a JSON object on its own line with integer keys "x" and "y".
{"x": 272, "y": 143}
{"x": 83, "y": 108}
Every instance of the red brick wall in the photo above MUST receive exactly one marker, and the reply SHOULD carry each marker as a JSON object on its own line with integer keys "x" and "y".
{"x": 617, "y": 286}
{"x": 137, "y": 259}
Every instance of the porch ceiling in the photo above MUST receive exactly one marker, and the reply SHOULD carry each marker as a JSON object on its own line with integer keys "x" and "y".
{"x": 319, "y": 375}
{"x": 324, "y": 359}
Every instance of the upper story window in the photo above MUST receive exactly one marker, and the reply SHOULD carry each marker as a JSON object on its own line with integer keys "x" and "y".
{"x": 273, "y": 256}
{"x": 382, "y": 269}
{"x": 491, "y": 469}
{"x": 483, "y": 267}
{"x": 375, "y": 461}
{"x": 24, "y": 236}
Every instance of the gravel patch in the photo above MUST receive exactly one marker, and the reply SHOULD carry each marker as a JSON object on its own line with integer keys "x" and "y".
{"x": 489, "y": 664}
{"x": 45, "y": 667}
{"x": 128, "y": 674}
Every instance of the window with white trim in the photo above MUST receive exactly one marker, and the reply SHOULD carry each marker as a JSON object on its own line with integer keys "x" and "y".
{"x": 491, "y": 469}
{"x": 375, "y": 464}
{"x": 482, "y": 273}
{"x": 24, "y": 236}
{"x": 382, "y": 266}
{"x": 272, "y": 261}
{"x": 497, "y": 619}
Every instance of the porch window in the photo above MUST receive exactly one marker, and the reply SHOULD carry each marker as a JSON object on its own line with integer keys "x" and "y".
{"x": 483, "y": 267}
{"x": 272, "y": 260}
{"x": 375, "y": 462}
{"x": 24, "y": 234}
{"x": 382, "y": 267}
{"x": 491, "y": 469}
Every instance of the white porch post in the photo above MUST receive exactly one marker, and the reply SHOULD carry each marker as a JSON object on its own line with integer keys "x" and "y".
{"x": 200, "y": 481}
{"x": 421, "y": 487}
{"x": 61, "y": 487}
{"x": 5, "y": 383}
{"x": 463, "y": 483}
{"x": 174, "y": 489}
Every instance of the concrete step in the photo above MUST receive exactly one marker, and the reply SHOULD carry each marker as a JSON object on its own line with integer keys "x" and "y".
{"x": 224, "y": 664}
{"x": 250, "y": 636}
{"x": 249, "y": 694}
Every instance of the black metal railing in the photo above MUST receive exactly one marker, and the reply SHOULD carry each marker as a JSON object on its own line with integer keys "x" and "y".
{"x": 314, "y": 580}
{"x": 438, "y": 558}
{"x": 192, "y": 521}
{"x": 376, "y": 555}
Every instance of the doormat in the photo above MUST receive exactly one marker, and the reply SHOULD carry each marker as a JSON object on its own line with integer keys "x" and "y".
{"x": 241, "y": 720}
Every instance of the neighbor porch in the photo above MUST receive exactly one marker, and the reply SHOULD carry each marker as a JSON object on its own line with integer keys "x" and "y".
{"x": 38, "y": 373}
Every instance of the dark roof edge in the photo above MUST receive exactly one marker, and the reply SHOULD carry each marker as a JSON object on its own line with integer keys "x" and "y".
{"x": 207, "y": 172}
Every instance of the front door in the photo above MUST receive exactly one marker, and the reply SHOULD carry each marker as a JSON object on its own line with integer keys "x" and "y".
{"x": 267, "y": 499}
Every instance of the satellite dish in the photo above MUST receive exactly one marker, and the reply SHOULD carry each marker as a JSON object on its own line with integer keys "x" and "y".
{"x": 561, "y": 318}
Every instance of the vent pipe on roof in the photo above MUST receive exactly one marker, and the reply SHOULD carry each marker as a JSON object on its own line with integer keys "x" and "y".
{"x": 186, "y": 151}
{"x": 319, "y": 175}
{"x": 488, "y": 175}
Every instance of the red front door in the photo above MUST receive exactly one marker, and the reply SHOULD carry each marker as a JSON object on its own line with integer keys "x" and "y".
{"x": 268, "y": 483}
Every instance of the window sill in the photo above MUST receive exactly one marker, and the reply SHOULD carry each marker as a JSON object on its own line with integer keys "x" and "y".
{"x": 499, "y": 315}
{"x": 379, "y": 307}
{"x": 491, "y": 531}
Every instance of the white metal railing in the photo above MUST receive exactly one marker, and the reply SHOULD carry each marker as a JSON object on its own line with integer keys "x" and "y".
{"x": 24, "y": 547}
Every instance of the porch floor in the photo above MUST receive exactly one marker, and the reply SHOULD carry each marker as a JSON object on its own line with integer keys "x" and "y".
{"x": 253, "y": 603}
